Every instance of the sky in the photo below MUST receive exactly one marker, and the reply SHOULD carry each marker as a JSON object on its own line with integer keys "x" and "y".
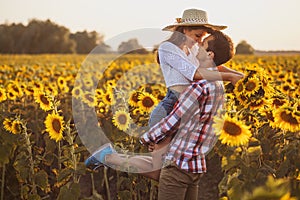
{"x": 264, "y": 24}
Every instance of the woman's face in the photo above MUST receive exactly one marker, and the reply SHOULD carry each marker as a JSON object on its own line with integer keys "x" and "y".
{"x": 194, "y": 36}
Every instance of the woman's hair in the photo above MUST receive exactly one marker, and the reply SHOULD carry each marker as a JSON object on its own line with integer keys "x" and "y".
{"x": 222, "y": 46}
{"x": 178, "y": 37}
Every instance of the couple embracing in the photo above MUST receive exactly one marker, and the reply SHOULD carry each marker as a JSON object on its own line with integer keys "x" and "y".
{"x": 181, "y": 133}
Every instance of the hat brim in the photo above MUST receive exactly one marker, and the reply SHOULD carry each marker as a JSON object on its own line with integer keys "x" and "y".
{"x": 174, "y": 26}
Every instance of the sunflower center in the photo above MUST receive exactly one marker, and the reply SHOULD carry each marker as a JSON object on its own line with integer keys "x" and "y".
{"x": 277, "y": 102}
{"x": 148, "y": 102}
{"x": 89, "y": 98}
{"x": 17, "y": 127}
{"x": 257, "y": 103}
{"x": 16, "y": 89}
{"x": 56, "y": 125}
{"x": 44, "y": 100}
{"x": 240, "y": 88}
{"x": 135, "y": 97}
{"x": 122, "y": 119}
{"x": 286, "y": 88}
{"x": 77, "y": 92}
{"x": 232, "y": 128}
{"x": 250, "y": 86}
{"x": 288, "y": 117}
{"x": 108, "y": 98}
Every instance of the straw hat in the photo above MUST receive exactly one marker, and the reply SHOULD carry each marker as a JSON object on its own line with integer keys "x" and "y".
{"x": 193, "y": 17}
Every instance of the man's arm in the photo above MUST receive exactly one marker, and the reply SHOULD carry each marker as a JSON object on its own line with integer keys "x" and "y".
{"x": 187, "y": 105}
{"x": 226, "y": 75}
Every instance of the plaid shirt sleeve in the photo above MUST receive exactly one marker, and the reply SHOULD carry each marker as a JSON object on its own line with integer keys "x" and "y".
{"x": 188, "y": 102}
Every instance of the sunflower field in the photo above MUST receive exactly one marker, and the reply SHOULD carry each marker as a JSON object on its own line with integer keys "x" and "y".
{"x": 52, "y": 107}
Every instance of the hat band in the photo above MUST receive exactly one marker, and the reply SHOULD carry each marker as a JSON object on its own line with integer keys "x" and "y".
{"x": 193, "y": 20}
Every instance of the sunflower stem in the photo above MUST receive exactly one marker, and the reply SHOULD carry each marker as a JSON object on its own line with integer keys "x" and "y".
{"x": 106, "y": 183}
{"x": 2, "y": 182}
{"x": 31, "y": 160}
{"x": 59, "y": 155}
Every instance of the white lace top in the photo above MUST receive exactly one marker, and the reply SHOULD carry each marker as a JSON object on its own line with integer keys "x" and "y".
{"x": 176, "y": 67}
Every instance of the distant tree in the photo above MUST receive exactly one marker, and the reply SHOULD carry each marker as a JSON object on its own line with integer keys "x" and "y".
{"x": 103, "y": 48}
{"x": 9, "y": 38}
{"x": 244, "y": 48}
{"x": 85, "y": 41}
{"x": 132, "y": 46}
{"x": 47, "y": 37}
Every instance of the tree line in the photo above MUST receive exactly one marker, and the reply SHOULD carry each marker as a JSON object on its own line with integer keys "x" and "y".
{"x": 47, "y": 37}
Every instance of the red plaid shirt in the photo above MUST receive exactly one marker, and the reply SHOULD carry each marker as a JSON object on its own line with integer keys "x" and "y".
{"x": 190, "y": 122}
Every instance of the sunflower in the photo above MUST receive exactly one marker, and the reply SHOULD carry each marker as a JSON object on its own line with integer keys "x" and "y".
{"x": 88, "y": 82}
{"x": 232, "y": 132}
{"x": 147, "y": 102}
{"x": 102, "y": 109}
{"x": 99, "y": 93}
{"x": 251, "y": 86}
{"x": 55, "y": 126}
{"x": 51, "y": 89}
{"x": 77, "y": 92}
{"x": 256, "y": 104}
{"x": 3, "y": 96}
{"x": 111, "y": 83}
{"x": 89, "y": 99}
{"x": 44, "y": 100}
{"x": 15, "y": 88}
{"x": 29, "y": 90}
{"x": 7, "y": 123}
{"x": 61, "y": 82}
{"x": 286, "y": 119}
{"x": 239, "y": 87}
{"x": 133, "y": 98}
{"x": 121, "y": 120}
{"x": 108, "y": 98}
{"x": 277, "y": 101}
{"x": 37, "y": 85}
{"x": 11, "y": 95}
{"x": 16, "y": 127}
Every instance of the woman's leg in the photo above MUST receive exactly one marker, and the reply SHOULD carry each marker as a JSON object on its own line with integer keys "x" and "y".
{"x": 138, "y": 164}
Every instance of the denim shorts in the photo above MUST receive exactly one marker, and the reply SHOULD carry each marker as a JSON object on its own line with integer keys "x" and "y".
{"x": 164, "y": 107}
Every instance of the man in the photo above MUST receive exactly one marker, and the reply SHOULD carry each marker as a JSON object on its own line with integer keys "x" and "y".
{"x": 190, "y": 125}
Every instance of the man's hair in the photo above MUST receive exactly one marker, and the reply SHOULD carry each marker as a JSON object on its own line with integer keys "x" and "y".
{"x": 222, "y": 46}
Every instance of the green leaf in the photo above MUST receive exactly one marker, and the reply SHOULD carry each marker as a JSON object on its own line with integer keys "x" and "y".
{"x": 69, "y": 192}
{"x": 41, "y": 179}
{"x": 64, "y": 174}
{"x": 283, "y": 169}
{"x": 5, "y": 153}
{"x": 124, "y": 195}
{"x": 34, "y": 197}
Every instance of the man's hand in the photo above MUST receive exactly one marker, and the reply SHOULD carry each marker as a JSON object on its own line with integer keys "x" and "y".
{"x": 234, "y": 78}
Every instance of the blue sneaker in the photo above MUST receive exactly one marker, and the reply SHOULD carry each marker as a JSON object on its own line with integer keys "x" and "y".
{"x": 98, "y": 157}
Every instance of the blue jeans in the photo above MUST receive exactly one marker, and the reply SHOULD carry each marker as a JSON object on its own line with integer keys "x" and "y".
{"x": 164, "y": 107}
